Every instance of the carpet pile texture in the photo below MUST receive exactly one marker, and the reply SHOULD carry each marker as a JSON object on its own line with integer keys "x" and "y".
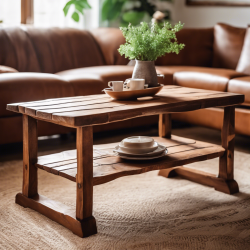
{"x": 136, "y": 212}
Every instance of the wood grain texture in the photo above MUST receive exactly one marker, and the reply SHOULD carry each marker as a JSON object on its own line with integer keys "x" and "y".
{"x": 77, "y": 111}
{"x": 84, "y": 177}
{"x": 227, "y": 142}
{"x": 58, "y": 212}
{"x": 220, "y": 184}
{"x": 226, "y": 163}
{"x": 29, "y": 156}
{"x": 107, "y": 167}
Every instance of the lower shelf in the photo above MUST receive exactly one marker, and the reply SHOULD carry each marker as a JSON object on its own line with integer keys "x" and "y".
{"x": 181, "y": 151}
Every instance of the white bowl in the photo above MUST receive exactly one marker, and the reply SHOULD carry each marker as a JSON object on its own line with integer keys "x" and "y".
{"x": 138, "y": 150}
{"x": 138, "y": 142}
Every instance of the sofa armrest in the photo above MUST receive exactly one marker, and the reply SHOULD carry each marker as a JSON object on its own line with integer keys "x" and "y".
{"x": 26, "y": 87}
{"x": 6, "y": 69}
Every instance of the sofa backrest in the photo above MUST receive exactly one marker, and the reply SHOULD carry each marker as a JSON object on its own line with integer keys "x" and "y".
{"x": 198, "y": 49}
{"x": 48, "y": 50}
{"x": 228, "y": 43}
{"x": 109, "y": 40}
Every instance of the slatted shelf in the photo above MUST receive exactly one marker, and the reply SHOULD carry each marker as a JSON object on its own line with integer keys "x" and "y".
{"x": 108, "y": 167}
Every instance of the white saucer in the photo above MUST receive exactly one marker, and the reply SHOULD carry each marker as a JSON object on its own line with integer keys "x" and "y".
{"x": 143, "y": 158}
{"x": 159, "y": 150}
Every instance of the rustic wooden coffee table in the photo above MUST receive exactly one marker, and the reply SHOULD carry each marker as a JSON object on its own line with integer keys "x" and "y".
{"x": 88, "y": 166}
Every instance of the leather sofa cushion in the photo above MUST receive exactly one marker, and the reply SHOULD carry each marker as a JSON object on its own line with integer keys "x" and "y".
{"x": 198, "y": 49}
{"x": 17, "y": 51}
{"x": 104, "y": 73}
{"x": 205, "y": 78}
{"x": 109, "y": 73}
{"x": 25, "y": 87}
{"x": 240, "y": 85}
{"x": 62, "y": 49}
{"x": 228, "y": 43}
{"x": 85, "y": 83}
{"x": 168, "y": 72}
{"x": 244, "y": 61}
{"x": 109, "y": 40}
{"x": 5, "y": 69}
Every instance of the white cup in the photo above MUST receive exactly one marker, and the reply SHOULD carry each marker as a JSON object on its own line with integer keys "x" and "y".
{"x": 116, "y": 85}
{"x": 135, "y": 84}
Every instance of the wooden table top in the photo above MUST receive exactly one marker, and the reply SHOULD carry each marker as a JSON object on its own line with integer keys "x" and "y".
{"x": 100, "y": 109}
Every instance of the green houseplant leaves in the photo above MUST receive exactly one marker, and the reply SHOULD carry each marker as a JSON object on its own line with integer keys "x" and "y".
{"x": 115, "y": 10}
{"x": 79, "y": 5}
{"x": 148, "y": 42}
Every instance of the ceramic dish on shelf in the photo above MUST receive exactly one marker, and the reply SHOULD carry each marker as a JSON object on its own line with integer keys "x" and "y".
{"x": 138, "y": 142}
{"x": 133, "y": 94}
{"x": 159, "y": 150}
{"x": 138, "y": 150}
{"x": 143, "y": 158}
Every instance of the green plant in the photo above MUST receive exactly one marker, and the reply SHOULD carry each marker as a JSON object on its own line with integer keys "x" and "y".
{"x": 79, "y": 5}
{"x": 126, "y": 11}
{"x": 148, "y": 42}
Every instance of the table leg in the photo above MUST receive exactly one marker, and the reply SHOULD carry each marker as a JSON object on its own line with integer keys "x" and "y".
{"x": 225, "y": 181}
{"x": 84, "y": 180}
{"x": 164, "y": 130}
{"x": 82, "y": 222}
{"x": 29, "y": 156}
{"x": 226, "y": 163}
{"x": 165, "y": 125}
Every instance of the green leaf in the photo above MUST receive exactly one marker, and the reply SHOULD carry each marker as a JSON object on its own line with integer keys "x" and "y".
{"x": 75, "y": 16}
{"x": 67, "y": 6}
{"x": 133, "y": 17}
{"x": 79, "y": 8}
{"x": 84, "y": 4}
{"x": 111, "y": 9}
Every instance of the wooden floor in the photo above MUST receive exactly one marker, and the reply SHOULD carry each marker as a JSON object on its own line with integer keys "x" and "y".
{"x": 108, "y": 167}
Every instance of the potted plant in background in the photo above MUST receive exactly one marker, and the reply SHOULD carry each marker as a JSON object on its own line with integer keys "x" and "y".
{"x": 145, "y": 43}
{"x": 123, "y": 11}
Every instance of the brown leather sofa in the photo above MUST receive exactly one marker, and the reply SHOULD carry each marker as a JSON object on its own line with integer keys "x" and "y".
{"x": 48, "y": 63}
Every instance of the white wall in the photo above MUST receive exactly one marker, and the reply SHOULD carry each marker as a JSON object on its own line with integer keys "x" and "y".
{"x": 208, "y": 16}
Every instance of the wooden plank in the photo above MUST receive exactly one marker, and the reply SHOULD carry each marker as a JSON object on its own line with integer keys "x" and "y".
{"x": 162, "y": 105}
{"x": 29, "y": 156}
{"x": 170, "y": 99}
{"x": 47, "y": 114}
{"x": 220, "y": 184}
{"x": 20, "y": 107}
{"x": 56, "y": 211}
{"x": 53, "y": 108}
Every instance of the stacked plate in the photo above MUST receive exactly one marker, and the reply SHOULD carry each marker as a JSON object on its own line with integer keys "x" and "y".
{"x": 140, "y": 148}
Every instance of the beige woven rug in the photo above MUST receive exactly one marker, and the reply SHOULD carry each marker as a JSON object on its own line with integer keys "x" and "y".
{"x": 138, "y": 212}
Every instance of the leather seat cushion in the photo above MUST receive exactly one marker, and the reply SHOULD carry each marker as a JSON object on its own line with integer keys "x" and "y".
{"x": 168, "y": 72}
{"x": 205, "y": 78}
{"x": 240, "y": 85}
{"x": 228, "y": 43}
{"x": 25, "y": 87}
{"x": 103, "y": 73}
{"x": 114, "y": 72}
{"x": 85, "y": 83}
